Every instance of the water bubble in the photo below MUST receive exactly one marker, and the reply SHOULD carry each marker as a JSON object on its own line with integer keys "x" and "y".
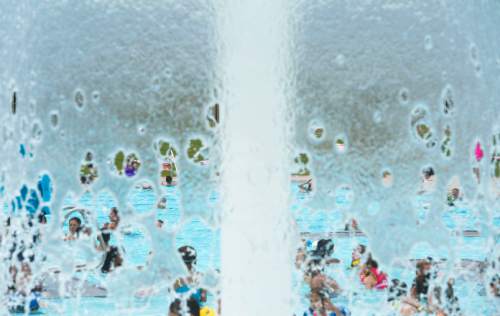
{"x": 478, "y": 70}
{"x": 88, "y": 170}
{"x": 447, "y": 100}
{"x": 197, "y": 152}
{"x": 404, "y": 96}
{"x": 340, "y": 60}
{"x": 373, "y": 208}
{"x": 155, "y": 86}
{"x": 423, "y": 131}
{"x": 54, "y": 119}
{"x": 377, "y": 117}
{"x": 344, "y": 196}
{"x": 340, "y": 144}
{"x": 428, "y": 42}
{"x": 36, "y": 132}
{"x": 387, "y": 178}
{"x": 128, "y": 165}
{"x": 14, "y": 103}
{"x": 316, "y": 131}
{"x": 473, "y": 53}
{"x": 132, "y": 165}
{"x": 167, "y": 72}
{"x": 213, "y": 115}
{"x": 141, "y": 129}
{"x": 32, "y": 107}
{"x": 431, "y": 143}
{"x": 96, "y": 96}
{"x": 79, "y": 99}
{"x": 446, "y": 142}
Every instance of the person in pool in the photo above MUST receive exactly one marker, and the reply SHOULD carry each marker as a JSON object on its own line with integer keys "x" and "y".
{"x": 422, "y": 296}
{"x": 371, "y": 277}
{"x": 357, "y": 256}
{"x": 322, "y": 287}
{"x": 23, "y": 291}
{"x": 75, "y": 225}
{"x": 306, "y": 186}
{"x": 187, "y": 287}
{"x": 114, "y": 219}
{"x": 112, "y": 258}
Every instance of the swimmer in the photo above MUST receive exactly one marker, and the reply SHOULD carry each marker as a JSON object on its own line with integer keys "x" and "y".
{"x": 306, "y": 186}
{"x": 168, "y": 180}
{"x": 320, "y": 307}
{"x": 352, "y": 225}
{"x": 188, "y": 285}
{"x": 75, "y": 225}
{"x": 495, "y": 286}
{"x": 301, "y": 256}
{"x": 424, "y": 296}
{"x": 112, "y": 258}
{"x": 357, "y": 255}
{"x": 410, "y": 305}
{"x": 371, "y": 277}
{"x": 159, "y": 223}
{"x": 453, "y": 196}
{"x": 162, "y": 203}
{"x": 321, "y": 285}
{"x": 22, "y": 291}
{"x": 114, "y": 220}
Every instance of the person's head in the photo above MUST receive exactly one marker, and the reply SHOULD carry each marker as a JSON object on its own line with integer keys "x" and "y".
{"x": 42, "y": 219}
{"x": 316, "y": 301}
{"x": 159, "y": 223}
{"x": 324, "y": 248}
{"x": 188, "y": 255}
{"x": 455, "y": 192}
{"x": 25, "y": 268}
{"x": 358, "y": 251}
{"x": 168, "y": 180}
{"x": 113, "y": 214}
{"x": 75, "y": 224}
{"x": 370, "y": 262}
{"x": 424, "y": 266}
{"x": 428, "y": 173}
{"x": 495, "y": 286}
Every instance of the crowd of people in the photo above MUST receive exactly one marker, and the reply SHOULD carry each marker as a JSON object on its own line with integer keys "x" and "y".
{"x": 24, "y": 290}
{"x": 431, "y": 292}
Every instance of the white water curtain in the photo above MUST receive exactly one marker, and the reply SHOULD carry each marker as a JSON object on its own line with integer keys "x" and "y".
{"x": 367, "y": 90}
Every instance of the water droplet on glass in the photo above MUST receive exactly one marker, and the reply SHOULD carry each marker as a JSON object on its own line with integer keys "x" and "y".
{"x": 36, "y": 132}
{"x": 79, "y": 99}
{"x": 428, "y": 42}
{"x": 96, "y": 96}
{"x": 54, "y": 119}
{"x": 404, "y": 96}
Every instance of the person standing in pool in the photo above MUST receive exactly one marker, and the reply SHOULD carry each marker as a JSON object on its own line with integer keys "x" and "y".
{"x": 322, "y": 287}
{"x": 188, "y": 287}
{"x": 112, "y": 259}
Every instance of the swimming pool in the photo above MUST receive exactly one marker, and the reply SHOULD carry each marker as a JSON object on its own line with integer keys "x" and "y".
{"x": 135, "y": 242}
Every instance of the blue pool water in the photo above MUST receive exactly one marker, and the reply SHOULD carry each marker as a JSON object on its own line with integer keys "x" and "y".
{"x": 136, "y": 246}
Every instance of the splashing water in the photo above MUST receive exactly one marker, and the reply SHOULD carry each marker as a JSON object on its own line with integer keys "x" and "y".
{"x": 188, "y": 119}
